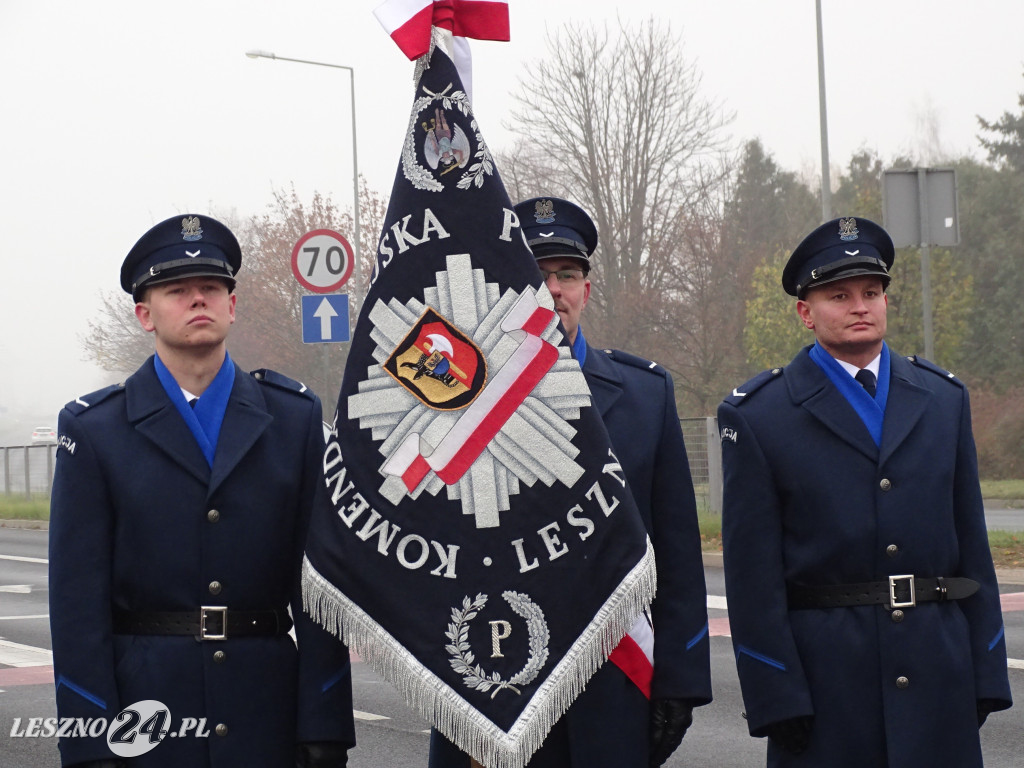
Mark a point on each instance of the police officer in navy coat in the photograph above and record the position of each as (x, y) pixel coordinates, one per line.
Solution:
(176, 537)
(614, 723)
(863, 602)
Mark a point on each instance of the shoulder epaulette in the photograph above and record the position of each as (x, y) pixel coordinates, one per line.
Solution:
(928, 365)
(634, 361)
(744, 391)
(279, 380)
(80, 404)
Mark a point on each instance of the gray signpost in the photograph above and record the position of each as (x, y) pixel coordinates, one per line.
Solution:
(919, 207)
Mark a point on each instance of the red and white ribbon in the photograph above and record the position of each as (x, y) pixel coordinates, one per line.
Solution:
(634, 655)
(409, 22)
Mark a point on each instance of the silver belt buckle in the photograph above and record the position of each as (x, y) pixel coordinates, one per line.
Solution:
(210, 610)
(893, 581)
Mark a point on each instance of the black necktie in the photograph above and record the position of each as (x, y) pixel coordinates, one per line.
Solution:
(192, 402)
(867, 379)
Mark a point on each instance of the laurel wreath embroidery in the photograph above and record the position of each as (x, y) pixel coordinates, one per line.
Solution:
(419, 176)
(462, 659)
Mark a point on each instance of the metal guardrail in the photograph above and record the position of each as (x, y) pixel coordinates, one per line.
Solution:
(28, 470)
(704, 452)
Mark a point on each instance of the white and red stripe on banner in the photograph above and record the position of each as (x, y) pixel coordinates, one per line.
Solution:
(482, 420)
(634, 655)
(408, 22)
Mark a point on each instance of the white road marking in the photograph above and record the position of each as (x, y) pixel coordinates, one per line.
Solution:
(20, 559)
(367, 715)
(19, 589)
(30, 616)
(18, 655)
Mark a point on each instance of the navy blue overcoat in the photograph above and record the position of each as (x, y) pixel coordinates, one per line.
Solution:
(607, 725)
(140, 522)
(810, 499)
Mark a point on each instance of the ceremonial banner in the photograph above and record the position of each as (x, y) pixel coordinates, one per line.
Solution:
(482, 551)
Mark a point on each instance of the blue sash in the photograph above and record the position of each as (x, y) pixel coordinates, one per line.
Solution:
(579, 347)
(871, 410)
(205, 419)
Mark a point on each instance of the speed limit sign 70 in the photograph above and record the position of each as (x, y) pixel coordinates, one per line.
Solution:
(322, 261)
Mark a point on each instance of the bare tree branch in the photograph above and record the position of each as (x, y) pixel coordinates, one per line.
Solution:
(616, 121)
(618, 124)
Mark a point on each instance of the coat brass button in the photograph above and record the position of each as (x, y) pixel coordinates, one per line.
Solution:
(897, 616)
(219, 656)
(215, 587)
(892, 550)
(213, 515)
(885, 484)
(221, 729)
(902, 682)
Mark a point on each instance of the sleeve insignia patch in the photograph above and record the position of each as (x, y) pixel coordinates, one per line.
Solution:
(740, 393)
(928, 365)
(279, 380)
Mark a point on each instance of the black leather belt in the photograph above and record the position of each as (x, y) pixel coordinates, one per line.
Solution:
(206, 623)
(897, 592)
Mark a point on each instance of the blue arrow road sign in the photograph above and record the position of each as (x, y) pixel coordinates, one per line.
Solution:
(325, 318)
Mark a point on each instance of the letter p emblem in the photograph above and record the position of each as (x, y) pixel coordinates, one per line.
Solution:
(500, 630)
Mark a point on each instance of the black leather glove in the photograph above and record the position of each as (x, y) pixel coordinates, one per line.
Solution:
(669, 720)
(321, 754)
(792, 735)
(985, 708)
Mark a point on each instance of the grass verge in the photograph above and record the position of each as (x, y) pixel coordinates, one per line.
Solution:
(1007, 547)
(15, 508)
(710, 532)
(1011, 490)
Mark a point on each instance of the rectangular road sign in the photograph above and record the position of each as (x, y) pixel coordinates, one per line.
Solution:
(909, 194)
(325, 318)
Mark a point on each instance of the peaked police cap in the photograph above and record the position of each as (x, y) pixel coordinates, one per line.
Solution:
(180, 247)
(556, 227)
(841, 248)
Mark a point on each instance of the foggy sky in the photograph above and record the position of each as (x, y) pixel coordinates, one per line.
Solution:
(120, 114)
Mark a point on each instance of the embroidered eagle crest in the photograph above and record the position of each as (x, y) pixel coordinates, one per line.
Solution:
(190, 229)
(544, 212)
(848, 229)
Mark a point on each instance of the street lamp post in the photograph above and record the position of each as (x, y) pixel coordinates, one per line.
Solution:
(357, 245)
(826, 182)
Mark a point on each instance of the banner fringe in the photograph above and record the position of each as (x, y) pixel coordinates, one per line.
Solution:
(450, 713)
